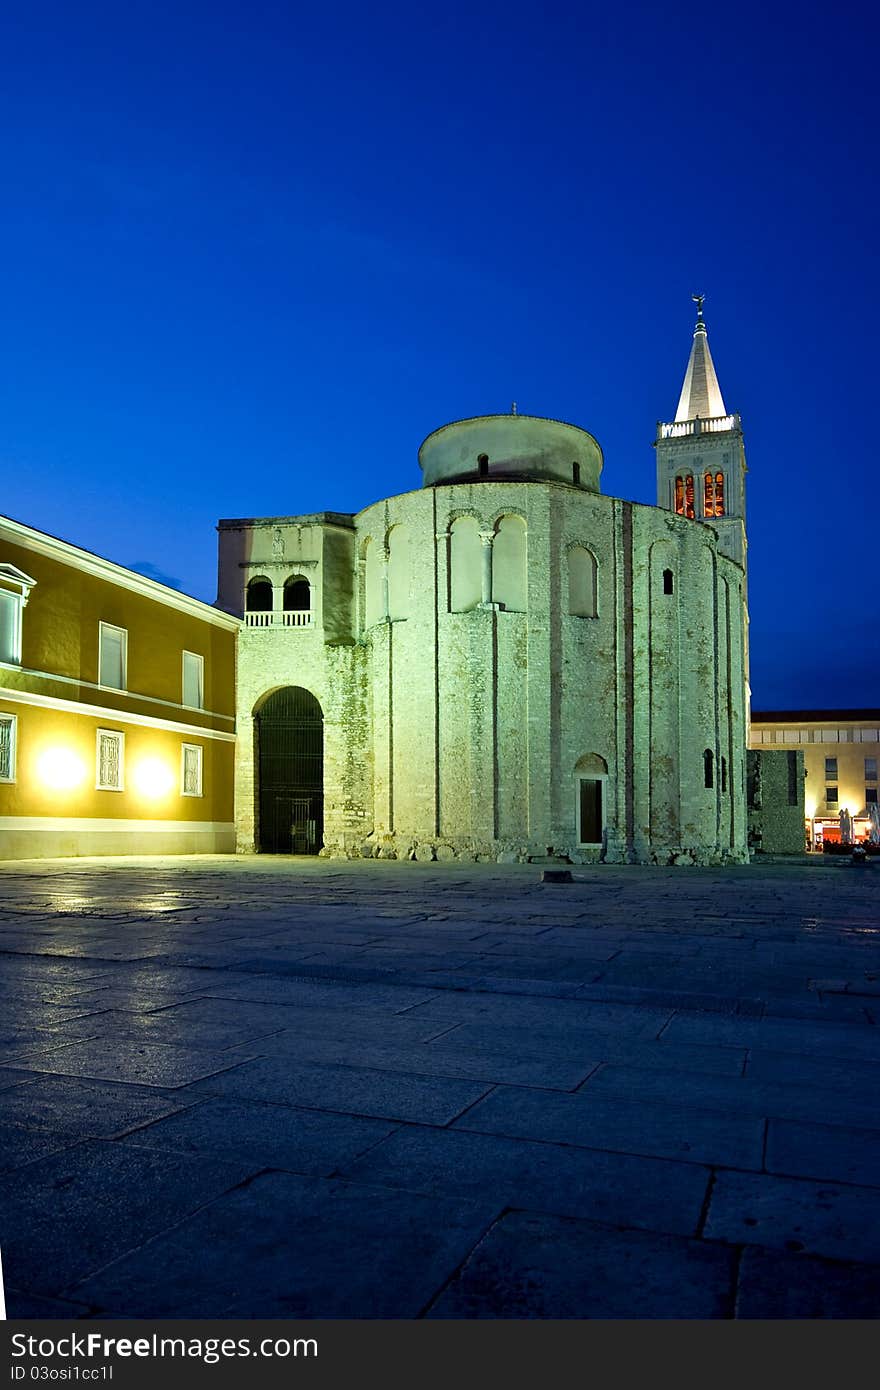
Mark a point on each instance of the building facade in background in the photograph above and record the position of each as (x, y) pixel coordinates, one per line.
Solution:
(841, 751)
(117, 708)
(505, 664)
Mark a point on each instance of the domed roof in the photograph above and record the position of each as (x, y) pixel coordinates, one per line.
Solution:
(494, 448)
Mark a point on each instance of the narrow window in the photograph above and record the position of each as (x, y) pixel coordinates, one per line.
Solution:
(483, 465)
(719, 494)
(667, 581)
(193, 680)
(708, 768)
(689, 496)
(112, 656)
(191, 756)
(8, 724)
(582, 582)
(109, 760)
(679, 496)
(723, 773)
(590, 811)
(831, 769)
(576, 474)
(10, 627)
(708, 495)
(831, 796)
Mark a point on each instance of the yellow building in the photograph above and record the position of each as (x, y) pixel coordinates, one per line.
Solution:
(117, 708)
(841, 751)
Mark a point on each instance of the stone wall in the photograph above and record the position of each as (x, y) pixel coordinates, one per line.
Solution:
(462, 733)
(776, 801)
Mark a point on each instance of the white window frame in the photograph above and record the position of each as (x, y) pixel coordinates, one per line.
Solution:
(201, 667)
(18, 586)
(591, 777)
(12, 721)
(112, 627)
(199, 750)
(120, 737)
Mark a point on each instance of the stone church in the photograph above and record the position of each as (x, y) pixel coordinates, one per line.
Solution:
(504, 664)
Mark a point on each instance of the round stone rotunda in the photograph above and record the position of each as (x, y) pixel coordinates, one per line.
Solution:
(503, 665)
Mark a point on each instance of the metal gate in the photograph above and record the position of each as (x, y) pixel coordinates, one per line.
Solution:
(290, 760)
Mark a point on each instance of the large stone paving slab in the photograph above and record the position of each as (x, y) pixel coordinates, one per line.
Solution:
(389, 1095)
(623, 1126)
(144, 1064)
(795, 1286)
(269, 1136)
(790, 1214)
(536, 1266)
(286, 1246)
(618, 1188)
(823, 1151)
(79, 1209)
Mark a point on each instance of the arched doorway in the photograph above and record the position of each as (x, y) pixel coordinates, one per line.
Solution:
(289, 730)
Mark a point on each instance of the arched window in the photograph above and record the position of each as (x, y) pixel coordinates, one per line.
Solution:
(509, 564)
(483, 465)
(297, 595)
(259, 595)
(667, 582)
(399, 573)
(713, 494)
(465, 565)
(582, 571)
(684, 495)
(708, 768)
(576, 474)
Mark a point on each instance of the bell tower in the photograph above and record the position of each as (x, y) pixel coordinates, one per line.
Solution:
(701, 462)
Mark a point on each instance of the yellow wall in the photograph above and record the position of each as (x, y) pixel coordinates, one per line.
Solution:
(54, 694)
(53, 742)
(60, 635)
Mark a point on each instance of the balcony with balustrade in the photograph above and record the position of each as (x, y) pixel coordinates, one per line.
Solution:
(292, 618)
(714, 424)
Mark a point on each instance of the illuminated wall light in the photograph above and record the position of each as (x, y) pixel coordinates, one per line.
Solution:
(153, 777)
(61, 769)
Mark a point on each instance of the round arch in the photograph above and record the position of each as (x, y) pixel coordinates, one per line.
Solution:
(289, 762)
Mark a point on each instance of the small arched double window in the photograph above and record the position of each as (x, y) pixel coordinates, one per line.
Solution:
(713, 494)
(259, 595)
(297, 595)
(684, 495)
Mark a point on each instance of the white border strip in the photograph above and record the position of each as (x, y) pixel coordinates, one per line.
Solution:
(115, 716)
(201, 827)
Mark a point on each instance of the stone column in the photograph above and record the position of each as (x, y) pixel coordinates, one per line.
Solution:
(486, 539)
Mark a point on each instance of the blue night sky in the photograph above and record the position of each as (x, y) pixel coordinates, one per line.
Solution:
(254, 253)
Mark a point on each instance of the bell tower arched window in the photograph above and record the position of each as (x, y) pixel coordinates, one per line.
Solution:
(713, 494)
(684, 495)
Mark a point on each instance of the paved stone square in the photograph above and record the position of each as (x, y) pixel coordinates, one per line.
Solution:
(304, 1088)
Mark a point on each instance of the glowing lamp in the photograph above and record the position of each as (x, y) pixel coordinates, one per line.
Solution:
(153, 777)
(61, 769)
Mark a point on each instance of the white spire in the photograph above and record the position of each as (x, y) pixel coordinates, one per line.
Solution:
(700, 394)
